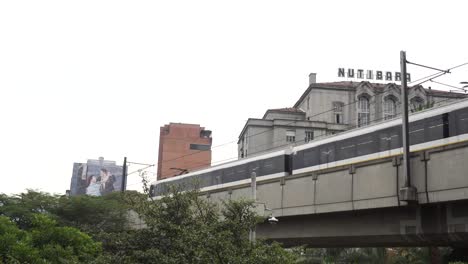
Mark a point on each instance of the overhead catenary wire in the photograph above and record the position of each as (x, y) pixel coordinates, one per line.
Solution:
(438, 74)
(448, 85)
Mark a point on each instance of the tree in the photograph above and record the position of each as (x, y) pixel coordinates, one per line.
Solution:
(21, 208)
(15, 244)
(181, 228)
(62, 244)
(93, 214)
(45, 242)
(90, 214)
(184, 228)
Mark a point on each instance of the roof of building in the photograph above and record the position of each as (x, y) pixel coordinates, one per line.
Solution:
(288, 110)
(350, 85)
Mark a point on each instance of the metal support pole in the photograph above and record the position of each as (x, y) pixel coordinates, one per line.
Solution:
(407, 192)
(253, 185)
(124, 175)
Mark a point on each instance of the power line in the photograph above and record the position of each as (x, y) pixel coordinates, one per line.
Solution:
(424, 66)
(438, 74)
(448, 85)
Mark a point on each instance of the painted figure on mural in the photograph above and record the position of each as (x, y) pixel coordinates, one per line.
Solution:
(94, 186)
(107, 181)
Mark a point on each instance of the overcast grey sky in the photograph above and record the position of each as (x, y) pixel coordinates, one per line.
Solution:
(83, 79)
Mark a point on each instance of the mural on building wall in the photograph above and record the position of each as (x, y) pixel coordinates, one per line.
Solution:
(95, 179)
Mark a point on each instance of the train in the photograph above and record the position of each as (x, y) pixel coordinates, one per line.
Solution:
(434, 127)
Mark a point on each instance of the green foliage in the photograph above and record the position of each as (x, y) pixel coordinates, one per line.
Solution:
(183, 228)
(21, 208)
(421, 107)
(44, 242)
(88, 213)
(62, 244)
(93, 214)
(15, 244)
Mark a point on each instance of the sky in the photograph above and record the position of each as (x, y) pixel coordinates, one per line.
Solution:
(84, 79)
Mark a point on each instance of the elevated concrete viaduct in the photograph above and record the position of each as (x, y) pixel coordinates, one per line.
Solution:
(357, 205)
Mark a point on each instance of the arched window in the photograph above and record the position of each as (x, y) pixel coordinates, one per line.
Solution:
(417, 104)
(338, 112)
(363, 111)
(389, 108)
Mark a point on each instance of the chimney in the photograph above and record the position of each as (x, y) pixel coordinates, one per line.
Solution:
(312, 78)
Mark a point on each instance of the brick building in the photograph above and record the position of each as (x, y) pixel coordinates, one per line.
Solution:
(183, 148)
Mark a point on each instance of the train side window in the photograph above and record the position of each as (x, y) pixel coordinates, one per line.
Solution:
(229, 175)
(272, 166)
(278, 164)
(241, 172)
(214, 177)
(327, 153)
(434, 128)
(389, 138)
(385, 137)
(462, 121)
(416, 132)
(346, 149)
(366, 144)
(205, 180)
(254, 166)
(311, 157)
(298, 160)
(267, 166)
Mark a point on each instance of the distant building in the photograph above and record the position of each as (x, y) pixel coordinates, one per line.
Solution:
(329, 108)
(96, 177)
(183, 148)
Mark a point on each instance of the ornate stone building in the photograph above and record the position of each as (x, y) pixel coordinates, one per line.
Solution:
(329, 108)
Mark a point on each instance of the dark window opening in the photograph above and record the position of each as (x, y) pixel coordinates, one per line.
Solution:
(309, 136)
(200, 147)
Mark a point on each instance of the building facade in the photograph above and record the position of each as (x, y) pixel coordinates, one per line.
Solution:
(96, 177)
(329, 108)
(182, 148)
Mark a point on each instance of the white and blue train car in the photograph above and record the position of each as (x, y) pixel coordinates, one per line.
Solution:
(436, 127)
(428, 129)
(267, 166)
